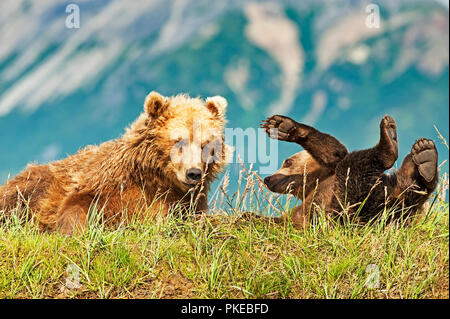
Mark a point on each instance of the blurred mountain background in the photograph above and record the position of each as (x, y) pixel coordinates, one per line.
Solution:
(316, 61)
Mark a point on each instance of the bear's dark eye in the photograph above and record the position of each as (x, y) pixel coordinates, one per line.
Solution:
(287, 162)
(211, 152)
(180, 142)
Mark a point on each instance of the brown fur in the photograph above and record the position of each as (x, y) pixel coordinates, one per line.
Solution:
(325, 176)
(132, 174)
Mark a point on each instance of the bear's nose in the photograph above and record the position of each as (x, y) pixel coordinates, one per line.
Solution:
(194, 174)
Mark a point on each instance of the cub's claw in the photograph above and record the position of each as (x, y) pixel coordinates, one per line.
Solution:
(280, 127)
(424, 155)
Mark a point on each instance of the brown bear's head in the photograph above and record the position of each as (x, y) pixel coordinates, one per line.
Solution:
(186, 136)
(297, 176)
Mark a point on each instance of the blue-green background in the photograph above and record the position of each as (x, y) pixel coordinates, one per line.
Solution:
(62, 89)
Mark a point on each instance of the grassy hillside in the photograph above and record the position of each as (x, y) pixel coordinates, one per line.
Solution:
(230, 257)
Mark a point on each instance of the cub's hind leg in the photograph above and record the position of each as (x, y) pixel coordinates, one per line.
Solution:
(425, 156)
(418, 175)
(360, 175)
(387, 147)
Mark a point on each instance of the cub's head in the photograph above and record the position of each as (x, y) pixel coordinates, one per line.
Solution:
(297, 175)
(186, 136)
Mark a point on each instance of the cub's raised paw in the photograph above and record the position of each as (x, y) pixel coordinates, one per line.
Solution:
(280, 127)
(425, 156)
(388, 130)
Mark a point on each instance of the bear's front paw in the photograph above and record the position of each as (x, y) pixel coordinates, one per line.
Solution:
(425, 156)
(280, 127)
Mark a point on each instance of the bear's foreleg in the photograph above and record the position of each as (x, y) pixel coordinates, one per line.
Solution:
(326, 149)
(72, 215)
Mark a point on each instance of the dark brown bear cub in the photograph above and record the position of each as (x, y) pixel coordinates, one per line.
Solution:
(325, 176)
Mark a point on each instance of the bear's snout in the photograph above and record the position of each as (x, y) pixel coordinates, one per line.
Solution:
(193, 175)
(270, 182)
(276, 182)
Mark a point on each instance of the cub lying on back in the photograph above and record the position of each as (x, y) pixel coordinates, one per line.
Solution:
(326, 176)
(168, 156)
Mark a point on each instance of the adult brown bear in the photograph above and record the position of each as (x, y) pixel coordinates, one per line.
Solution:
(166, 159)
(326, 176)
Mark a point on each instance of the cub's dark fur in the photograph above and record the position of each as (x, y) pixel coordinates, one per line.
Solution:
(326, 176)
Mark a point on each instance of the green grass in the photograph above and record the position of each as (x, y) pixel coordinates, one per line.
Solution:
(230, 257)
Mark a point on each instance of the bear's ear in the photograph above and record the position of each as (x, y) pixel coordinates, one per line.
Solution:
(155, 104)
(217, 105)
